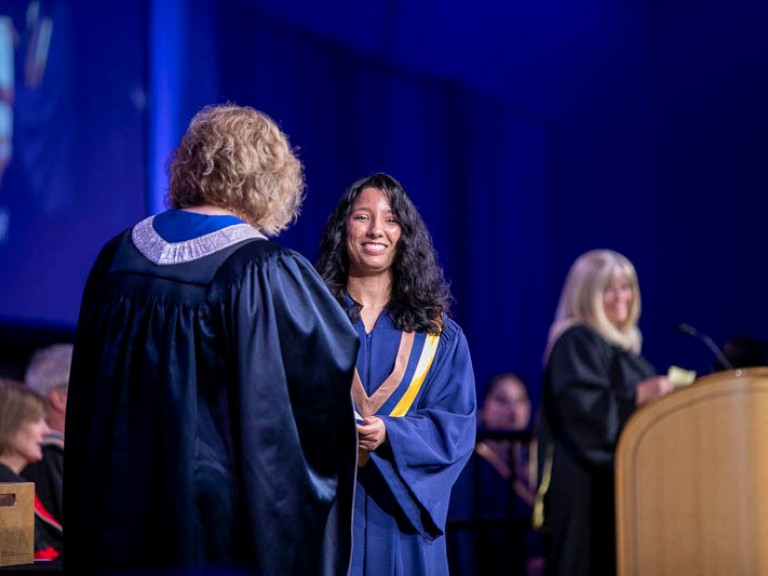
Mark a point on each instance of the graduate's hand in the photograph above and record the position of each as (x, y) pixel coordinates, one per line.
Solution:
(371, 434)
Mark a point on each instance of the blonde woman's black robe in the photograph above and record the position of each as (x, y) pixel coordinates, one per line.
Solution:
(588, 395)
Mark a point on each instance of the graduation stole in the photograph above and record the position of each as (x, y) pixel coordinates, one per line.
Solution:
(368, 406)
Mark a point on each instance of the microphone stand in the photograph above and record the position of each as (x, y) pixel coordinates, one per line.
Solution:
(690, 330)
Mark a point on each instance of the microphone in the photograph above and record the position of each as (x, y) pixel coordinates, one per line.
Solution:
(688, 329)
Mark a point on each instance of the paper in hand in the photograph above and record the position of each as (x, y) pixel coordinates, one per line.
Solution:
(680, 377)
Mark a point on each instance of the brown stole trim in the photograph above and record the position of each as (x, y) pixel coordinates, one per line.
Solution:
(369, 406)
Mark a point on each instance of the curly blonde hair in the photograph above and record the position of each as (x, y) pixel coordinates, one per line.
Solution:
(237, 158)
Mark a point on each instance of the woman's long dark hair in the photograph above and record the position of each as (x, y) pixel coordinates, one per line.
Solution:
(420, 295)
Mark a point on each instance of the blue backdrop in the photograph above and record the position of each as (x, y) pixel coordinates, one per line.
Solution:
(527, 133)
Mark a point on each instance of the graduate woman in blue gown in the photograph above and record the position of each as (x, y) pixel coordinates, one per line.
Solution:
(413, 387)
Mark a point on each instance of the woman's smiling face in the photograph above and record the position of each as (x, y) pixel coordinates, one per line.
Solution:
(617, 300)
(373, 232)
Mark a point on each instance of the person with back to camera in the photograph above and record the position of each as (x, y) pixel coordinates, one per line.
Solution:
(209, 423)
(492, 501)
(48, 375)
(22, 432)
(413, 387)
(594, 379)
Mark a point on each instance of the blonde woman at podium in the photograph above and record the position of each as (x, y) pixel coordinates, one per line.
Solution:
(594, 379)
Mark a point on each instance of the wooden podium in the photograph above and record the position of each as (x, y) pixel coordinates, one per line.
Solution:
(692, 481)
(17, 523)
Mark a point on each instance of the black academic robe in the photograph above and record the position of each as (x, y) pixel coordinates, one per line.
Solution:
(209, 420)
(48, 475)
(588, 395)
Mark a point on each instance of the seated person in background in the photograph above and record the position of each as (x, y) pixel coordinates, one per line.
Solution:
(492, 501)
(745, 352)
(22, 431)
(48, 375)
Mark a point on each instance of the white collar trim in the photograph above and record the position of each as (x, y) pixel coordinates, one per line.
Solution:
(158, 251)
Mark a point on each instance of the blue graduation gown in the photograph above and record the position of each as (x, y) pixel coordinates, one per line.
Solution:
(402, 493)
(209, 422)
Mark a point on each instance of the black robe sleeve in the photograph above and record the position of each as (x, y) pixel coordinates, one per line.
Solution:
(295, 350)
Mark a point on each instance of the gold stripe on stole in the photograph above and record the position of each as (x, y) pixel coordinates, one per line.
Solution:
(546, 477)
(425, 362)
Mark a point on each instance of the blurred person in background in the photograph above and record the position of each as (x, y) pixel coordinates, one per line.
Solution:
(491, 531)
(22, 432)
(48, 375)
